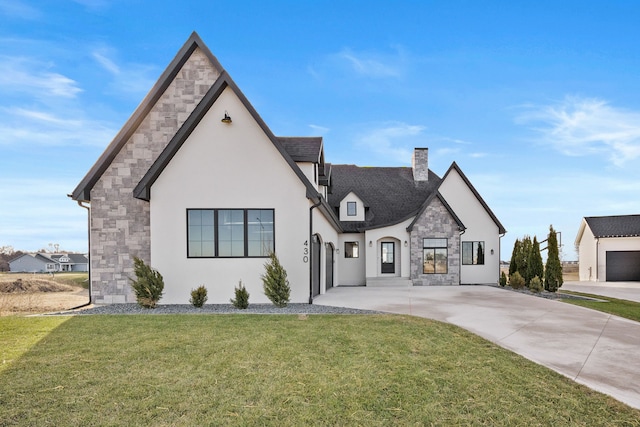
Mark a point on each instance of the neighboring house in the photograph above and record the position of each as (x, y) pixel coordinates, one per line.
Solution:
(197, 185)
(609, 248)
(48, 263)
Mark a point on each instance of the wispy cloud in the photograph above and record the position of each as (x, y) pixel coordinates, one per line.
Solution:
(374, 65)
(128, 78)
(19, 9)
(319, 129)
(393, 141)
(31, 76)
(578, 126)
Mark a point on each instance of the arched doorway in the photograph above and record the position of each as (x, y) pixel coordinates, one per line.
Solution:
(315, 265)
(329, 265)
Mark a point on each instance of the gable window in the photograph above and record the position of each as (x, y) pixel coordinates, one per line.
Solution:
(352, 209)
(351, 250)
(230, 233)
(435, 256)
(472, 253)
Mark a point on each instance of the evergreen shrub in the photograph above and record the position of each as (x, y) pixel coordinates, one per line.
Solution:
(535, 285)
(503, 279)
(516, 281)
(148, 285)
(275, 283)
(241, 300)
(198, 296)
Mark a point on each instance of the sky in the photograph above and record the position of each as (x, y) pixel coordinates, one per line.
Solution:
(537, 101)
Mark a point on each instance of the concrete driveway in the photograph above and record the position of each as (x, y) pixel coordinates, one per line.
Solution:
(593, 348)
(621, 290)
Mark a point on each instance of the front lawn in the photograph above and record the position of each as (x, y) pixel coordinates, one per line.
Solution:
(619, 307)
(278, 370)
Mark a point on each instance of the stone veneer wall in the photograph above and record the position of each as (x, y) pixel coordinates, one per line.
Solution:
(435, 222)
(120, 225)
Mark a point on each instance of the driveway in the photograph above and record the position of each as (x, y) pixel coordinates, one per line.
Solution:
(621, 290)
(593, 348)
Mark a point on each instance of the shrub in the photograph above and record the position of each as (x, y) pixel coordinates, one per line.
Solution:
(535, 285)
(148, 285)
(516, 281)
(503, 280)
(198, 296)
(553, 269)
(275, 283)
(241, 300)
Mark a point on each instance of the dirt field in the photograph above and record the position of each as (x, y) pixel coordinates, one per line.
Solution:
(569, 272)
(41, 293)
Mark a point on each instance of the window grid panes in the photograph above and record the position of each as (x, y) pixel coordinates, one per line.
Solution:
(351, 209)
(351, 250)
(230, 232)
(473, 253)
(435, 256)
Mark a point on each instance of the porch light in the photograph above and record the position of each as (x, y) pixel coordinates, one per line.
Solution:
(370, 243)
(406, 243)
(226, 118)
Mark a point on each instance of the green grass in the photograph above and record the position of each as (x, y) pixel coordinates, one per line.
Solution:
(619, 307)
(185, 370)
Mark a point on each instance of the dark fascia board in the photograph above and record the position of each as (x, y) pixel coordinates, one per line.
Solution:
(446, 205)
(454, 165)
(83, 190)
(143, 189)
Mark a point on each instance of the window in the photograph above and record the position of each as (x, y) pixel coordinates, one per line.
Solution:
(351, 250)
(434, 256)
(351, 209)
(230, 233)
(472, 253)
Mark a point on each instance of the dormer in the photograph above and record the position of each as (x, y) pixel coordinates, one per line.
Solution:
(352, 208)
(308, 153)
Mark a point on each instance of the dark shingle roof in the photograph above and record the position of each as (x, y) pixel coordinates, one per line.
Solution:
(390, 193)
(302, 149)
(614, 226)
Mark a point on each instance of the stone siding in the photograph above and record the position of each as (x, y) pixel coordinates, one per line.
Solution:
(120, 225)
(435, 222)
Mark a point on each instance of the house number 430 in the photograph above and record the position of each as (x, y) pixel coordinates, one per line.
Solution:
(305, 251)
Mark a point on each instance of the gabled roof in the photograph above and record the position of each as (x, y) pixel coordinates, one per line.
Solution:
(390, 192)
(614, 226)
(425, 205)
(454, 166)
(83, 190)
(303, 149)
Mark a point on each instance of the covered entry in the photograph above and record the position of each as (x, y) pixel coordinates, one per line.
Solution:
(623, 266)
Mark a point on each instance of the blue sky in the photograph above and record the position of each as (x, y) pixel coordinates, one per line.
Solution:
(536, 101)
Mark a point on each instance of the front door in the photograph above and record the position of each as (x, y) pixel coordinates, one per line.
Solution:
(388, 258)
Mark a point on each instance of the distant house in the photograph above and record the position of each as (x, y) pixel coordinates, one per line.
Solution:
(609, 248)
(48, 263)
(198, 186)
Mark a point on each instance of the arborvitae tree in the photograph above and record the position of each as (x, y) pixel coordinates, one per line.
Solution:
(480, 255)
(513, 265)
(275, 283)
(534, 265)
(523, 258)
(553, 270)
(148, 285)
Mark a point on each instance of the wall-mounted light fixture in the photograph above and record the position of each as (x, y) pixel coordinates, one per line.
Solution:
(370, 243)
(491, 251)
(337, 250)
(226, 118)
(406, 243)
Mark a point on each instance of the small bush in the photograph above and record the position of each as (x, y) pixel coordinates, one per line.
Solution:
(516, 281)
(275, 283)
(535, 285)
(241, 300)
(148, 285)
(198, 296)
(503, 280)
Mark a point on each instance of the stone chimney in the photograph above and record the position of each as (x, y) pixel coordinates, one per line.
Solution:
(420, 164)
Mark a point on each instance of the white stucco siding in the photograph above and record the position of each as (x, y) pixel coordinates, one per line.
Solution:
(607, 244)
(480, 227)
(352, 270)
(353, 198)
(227, 166)
(397, 234)
(587, 255)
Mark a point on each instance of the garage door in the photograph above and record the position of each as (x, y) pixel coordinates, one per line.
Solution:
(623, 266)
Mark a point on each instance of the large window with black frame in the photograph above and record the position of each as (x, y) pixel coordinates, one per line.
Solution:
(435, 256)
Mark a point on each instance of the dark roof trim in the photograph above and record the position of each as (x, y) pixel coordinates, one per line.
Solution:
(436, 194)
(83, 190)
(454, 165)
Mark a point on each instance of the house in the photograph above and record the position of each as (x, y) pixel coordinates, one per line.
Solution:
(609, 248)
(48, 263)
(197, 185)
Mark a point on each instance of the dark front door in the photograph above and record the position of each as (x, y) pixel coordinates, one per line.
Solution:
(388, 257)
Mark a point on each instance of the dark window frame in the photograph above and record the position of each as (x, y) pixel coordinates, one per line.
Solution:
(475, 259)
(349, 254)
(433, 247)
(355, 208)
(216, 231)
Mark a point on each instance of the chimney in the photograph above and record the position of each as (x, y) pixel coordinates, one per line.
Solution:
(420, 164)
